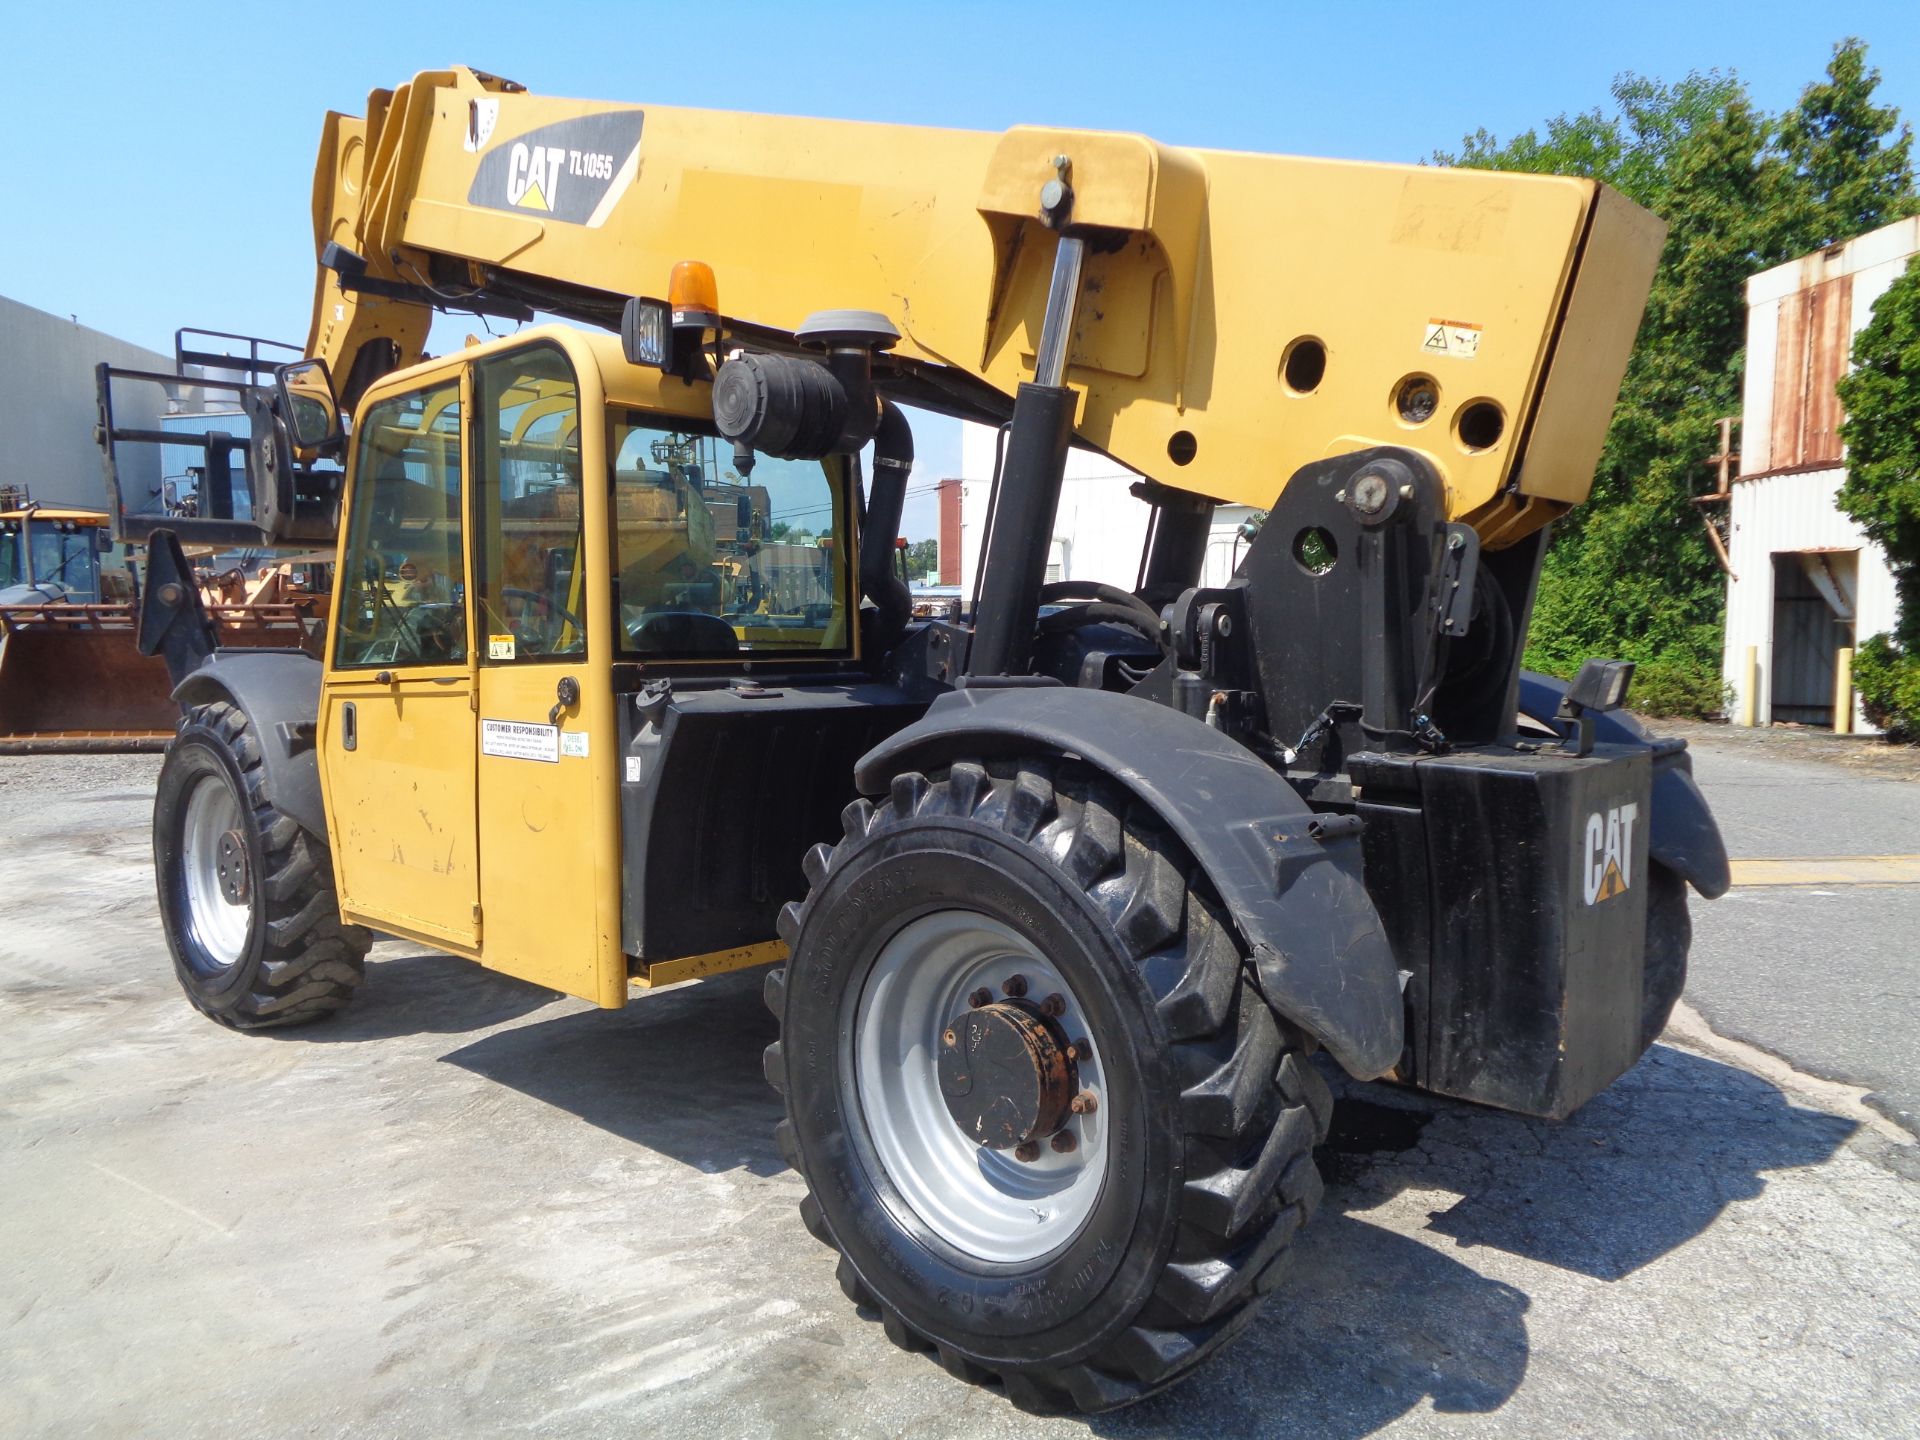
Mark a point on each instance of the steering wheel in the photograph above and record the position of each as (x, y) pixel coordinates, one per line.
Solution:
(546, 603)
(430, 628)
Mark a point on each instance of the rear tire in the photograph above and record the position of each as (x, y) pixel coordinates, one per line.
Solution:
(246, 894)
(1669, 937)
(1207, 1109)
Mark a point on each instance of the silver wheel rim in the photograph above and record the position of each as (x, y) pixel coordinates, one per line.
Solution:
(983, 1202)
(218, 923)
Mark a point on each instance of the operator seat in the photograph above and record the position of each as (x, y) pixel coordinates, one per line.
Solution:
(684, 635)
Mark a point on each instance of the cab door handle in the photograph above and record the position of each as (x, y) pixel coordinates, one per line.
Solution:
(349, 727)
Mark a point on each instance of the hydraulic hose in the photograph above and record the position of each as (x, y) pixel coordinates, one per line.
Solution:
(1059, 592)
(892, 464)
(1100, 612)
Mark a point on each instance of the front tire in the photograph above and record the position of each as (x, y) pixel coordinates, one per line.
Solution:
(246, 894)
(1084, 1273)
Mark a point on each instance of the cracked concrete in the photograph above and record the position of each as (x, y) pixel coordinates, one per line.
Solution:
(468, 1206)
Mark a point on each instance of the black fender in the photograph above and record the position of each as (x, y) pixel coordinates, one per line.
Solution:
(279, 693)
(1292, 885)
(1681, 834)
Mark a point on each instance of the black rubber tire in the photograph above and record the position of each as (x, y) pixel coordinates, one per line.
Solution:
(1669, 937)
(1211, 1171)
(300, 962)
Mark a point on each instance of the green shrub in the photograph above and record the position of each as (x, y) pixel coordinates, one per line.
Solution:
(1669, 686)
(1682, 689)
(1889, 684)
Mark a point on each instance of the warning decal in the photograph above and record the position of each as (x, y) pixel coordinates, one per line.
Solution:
(518, 740)
(1458, 338)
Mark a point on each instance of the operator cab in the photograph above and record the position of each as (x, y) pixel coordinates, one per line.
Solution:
(52, 555)
(534, 532)
(774, 583)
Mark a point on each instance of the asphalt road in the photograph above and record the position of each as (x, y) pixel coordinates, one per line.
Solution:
(469, 1206)
(1825, 976)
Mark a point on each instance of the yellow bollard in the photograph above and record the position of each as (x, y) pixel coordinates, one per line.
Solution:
(1750, 688)
(1843, 690)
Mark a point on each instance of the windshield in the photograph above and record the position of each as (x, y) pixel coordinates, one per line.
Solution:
(708, 564)
(63, 557)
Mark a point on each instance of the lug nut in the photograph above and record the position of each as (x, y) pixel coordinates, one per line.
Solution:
(1085, 1103)
(1026, 1152)
(1081, 1049)
(980, 997)
(1015, 986)
(1054, 1006)
(949, 1039)
(1065, 1143)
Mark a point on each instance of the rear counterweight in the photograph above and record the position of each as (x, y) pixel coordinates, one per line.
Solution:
(1514, 885)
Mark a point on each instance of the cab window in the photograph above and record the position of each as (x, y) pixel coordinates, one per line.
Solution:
(710, 564)
(530, 577)
(402, 588)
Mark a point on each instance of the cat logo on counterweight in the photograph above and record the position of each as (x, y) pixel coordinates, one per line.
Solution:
(1607, 867)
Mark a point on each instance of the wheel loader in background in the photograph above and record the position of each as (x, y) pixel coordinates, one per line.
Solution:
(71, 678)
(1060, 898)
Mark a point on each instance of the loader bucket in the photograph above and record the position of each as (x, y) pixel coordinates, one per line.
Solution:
(72, 678)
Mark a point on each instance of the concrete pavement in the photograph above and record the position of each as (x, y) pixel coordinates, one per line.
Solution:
(470, 1206)
(1825, 974)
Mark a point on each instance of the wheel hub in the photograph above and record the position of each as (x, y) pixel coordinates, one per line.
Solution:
(1006, 1075)
(230, 866)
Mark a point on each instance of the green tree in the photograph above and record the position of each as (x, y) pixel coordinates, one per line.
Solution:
(923, 559)
(1630, 573)
(1853, 158)
(1882, 490)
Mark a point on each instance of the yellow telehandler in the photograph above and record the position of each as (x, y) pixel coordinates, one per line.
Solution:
(1060, 897)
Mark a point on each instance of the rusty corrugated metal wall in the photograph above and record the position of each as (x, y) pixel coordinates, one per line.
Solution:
(1810, 356)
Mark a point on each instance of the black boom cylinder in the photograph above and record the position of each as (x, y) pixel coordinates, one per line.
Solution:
(1022, 529)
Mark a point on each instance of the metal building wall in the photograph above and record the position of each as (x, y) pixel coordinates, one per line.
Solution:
(47, 407)
(1780, 506)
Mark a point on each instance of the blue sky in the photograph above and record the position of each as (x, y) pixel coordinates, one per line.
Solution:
(160, 156)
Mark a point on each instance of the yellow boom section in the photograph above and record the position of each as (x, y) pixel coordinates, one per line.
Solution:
(1241, 315)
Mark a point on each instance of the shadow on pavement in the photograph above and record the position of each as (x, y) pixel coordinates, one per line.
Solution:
(424, 994)
(1372, 1323)
(1642, 1168)
(1368, 1325)
(678, 1072)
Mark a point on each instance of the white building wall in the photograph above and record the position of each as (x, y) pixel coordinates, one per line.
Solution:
(1790, 513)
(1099, 530)
(1786, 513)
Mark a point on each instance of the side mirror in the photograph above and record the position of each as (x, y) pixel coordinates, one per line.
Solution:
(308, 404)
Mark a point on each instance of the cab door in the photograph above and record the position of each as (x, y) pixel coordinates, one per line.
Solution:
(549, 850)
(397, 721)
